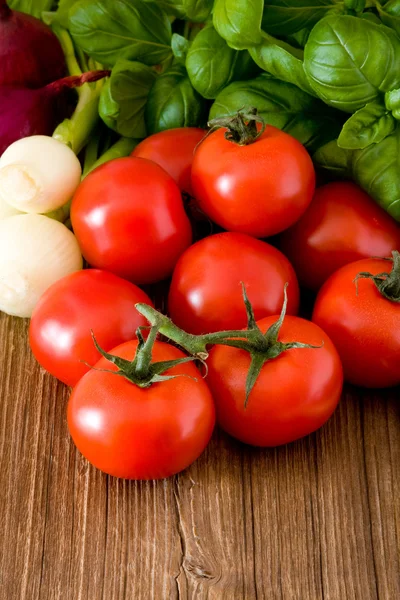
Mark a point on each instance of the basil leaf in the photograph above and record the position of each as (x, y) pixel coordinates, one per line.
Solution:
(212, 64)
(333, 159)
(124, 96)
(173, 102)
(171, 7)
(356, 5)
(31, 7)
(298, 39)
(375, 168)
(369, 125)
(283, 105)
(108, 30)
(281, 60)
(238, 22)
(351, 62)
(390, 14)
(197, 11)
(180, 47)
(370, 16)
(284, 17)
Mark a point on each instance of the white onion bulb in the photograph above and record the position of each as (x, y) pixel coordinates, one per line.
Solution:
(35, 252)
(6, 210)
(38, 174)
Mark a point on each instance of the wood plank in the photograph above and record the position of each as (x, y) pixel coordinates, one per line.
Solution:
(317, 519)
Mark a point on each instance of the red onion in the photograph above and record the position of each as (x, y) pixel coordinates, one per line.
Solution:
(25, 112)
(30, 53)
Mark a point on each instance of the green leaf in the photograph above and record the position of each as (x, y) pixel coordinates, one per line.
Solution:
(212, 64)
(239, 22)
(180, 47)
(370, 16)
(31, 7)
(298, 39)
(356, 5)
(333, 159)
(173, 102)
(171, 7)
(351, 62)
(282, 61)
(61, 15)
(369, 125)
(392, 102)
(109, 30)
(285, 17)
(375, 168)
(197, 11)
(390, 14)
(284, 106)
(123, 98)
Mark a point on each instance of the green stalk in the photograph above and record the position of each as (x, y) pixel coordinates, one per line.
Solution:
(261, 347)
(76, 131)
(123, 147)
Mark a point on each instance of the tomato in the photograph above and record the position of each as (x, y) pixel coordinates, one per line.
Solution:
(141, 433)
(94, 300)
(173, 150)
(206, 292)
(364, 326)
(341, 225)
(128, 217)
(294, 394)
(259, 189)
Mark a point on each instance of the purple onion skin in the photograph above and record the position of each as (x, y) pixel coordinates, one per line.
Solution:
(25, 112)
(30, 53)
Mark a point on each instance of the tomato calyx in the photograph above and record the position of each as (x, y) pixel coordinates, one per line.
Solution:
(262, 347)
(241, 126)
(388, 284)
(141, 371)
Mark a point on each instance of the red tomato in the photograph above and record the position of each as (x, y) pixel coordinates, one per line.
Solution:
(141, 433)
(128, 217)
(173, 150)
(341, 225)
(206, 292)
(364, 326)
(260, 189)
(94, 300)
(295, 393)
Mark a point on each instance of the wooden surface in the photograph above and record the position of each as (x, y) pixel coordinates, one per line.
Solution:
(319, 519)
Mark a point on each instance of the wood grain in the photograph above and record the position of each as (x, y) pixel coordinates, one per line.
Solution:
(318, 519)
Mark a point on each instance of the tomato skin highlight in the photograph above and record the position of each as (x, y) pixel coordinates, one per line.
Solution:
(259, 189)
(128, 217)
(173, 150)
(341, 225)
(294, 395)
(91, 299)
(364, 327)
(206, 293)
(141, 433)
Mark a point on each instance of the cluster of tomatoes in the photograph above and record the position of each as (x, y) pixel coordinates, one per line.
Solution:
(141, 419)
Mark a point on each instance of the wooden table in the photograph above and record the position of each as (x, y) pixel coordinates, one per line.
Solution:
(318, 519)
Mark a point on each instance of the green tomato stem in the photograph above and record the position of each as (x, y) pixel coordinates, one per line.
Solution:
(195, 345)
(388, 284)
(262, 347)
